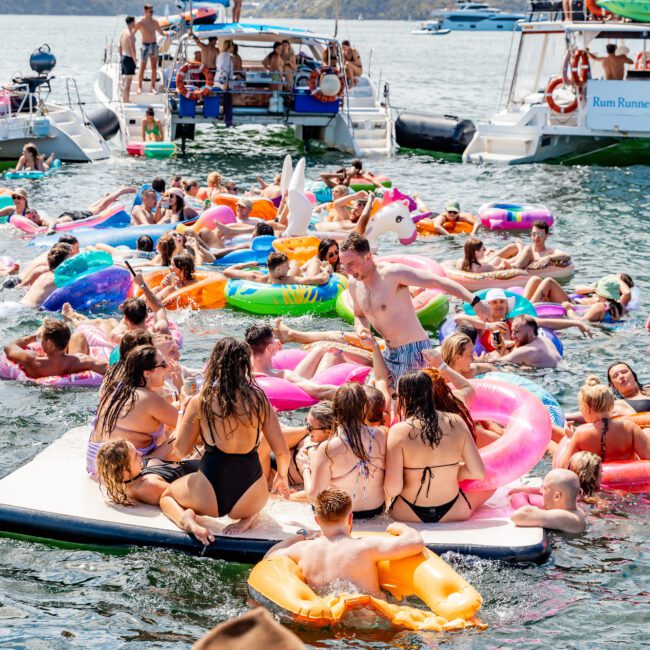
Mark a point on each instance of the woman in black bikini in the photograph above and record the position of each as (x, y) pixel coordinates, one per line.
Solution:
(228, 416)
(428, 454)
(632, 396)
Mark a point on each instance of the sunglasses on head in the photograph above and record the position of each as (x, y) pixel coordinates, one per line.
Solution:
(163, 364)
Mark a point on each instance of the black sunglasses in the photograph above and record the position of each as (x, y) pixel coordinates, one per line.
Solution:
(161, 365)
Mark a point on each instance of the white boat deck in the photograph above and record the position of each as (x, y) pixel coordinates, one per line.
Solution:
(52, 497)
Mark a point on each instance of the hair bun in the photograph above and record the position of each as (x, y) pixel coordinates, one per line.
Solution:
(592, 380)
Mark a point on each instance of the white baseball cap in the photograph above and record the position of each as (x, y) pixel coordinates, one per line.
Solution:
(500, 294)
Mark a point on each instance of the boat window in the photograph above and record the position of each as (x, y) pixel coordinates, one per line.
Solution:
(540, 59)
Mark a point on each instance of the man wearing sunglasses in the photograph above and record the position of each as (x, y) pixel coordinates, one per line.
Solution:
(148, 26)
(537, 255)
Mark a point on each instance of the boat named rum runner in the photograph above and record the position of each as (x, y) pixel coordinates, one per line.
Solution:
(560, 106)
(316, 99)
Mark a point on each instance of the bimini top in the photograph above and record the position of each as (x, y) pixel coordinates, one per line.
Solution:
(252, 32)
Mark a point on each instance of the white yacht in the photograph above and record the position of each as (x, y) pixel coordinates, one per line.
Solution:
(476, 16)
(317, 102)
(431, 28)
(561, 108)
(28, 115)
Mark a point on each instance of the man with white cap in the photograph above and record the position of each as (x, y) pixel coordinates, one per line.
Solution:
(614, 63)
(452, 214)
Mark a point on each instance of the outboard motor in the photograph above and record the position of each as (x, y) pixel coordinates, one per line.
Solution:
(442, 133)
(42, 61)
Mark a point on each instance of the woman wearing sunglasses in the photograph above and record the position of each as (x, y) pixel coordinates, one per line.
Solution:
(132, 408)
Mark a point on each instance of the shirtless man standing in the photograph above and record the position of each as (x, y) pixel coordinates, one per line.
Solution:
(55, 336)
(334, 556)
(613, 64)
(44, 285)
(537, 256)
(381, 299)
(149, 27)
(209, 52)
(127, 55)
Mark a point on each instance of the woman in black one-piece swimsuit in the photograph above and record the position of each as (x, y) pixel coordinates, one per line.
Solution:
(228, 417)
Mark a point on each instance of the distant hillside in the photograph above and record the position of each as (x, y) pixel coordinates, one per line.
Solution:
(369, 9)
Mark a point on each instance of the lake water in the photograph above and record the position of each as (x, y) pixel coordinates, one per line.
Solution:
(592, 593)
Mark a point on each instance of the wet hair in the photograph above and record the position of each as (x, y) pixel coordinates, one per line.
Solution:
(526, 319)
(185, 264)
(356, 163)
(32, 150)
(589, 468)
(611, 48)
(58, 254)
(376, 405)
(150, 111)
(415, 399)
(158, 184)
(324, 413)
(118, 394)
(259, 337)
(446, 402)
(145, 243)
(68, 239)
(453, 346)
(57, 332)
(274, 260)
(214, 179)
(629, 367)
(471, 248)
(542, 225)
(626, 279)
(596, 396)
(112, 463)
(229, 389)
(166, 247)
(129, 19)
(135, 310)
(469, 330)
(262, 228)
(350, 405)
(332, 505)
(356, 243)
(323, 247)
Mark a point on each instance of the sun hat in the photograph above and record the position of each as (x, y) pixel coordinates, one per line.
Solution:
(19, 191)
(177, 191)
(453, 206)
(608, 287)
(499, 294)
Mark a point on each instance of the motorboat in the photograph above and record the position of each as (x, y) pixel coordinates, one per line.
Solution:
(431, 28)
(316, 100)
(28, 115)
(560, 105)
(476, 16)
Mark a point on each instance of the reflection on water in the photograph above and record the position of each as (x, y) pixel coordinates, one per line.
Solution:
(584, 597)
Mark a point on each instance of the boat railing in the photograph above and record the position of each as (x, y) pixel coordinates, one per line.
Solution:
(74, 99)
(552, 10)
(26, 108)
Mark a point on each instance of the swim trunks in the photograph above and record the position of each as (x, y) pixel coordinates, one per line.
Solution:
(405, 358)
(128, 65)
(76, 215)
(149, 49)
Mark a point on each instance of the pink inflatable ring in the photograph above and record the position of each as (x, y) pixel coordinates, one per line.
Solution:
(525, 439)
(513, 216)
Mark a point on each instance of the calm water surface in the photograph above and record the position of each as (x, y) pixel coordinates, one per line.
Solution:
(593, 593)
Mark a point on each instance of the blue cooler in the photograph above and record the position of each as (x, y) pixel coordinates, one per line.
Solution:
(186, 107)
(304, 102)
(211, 105)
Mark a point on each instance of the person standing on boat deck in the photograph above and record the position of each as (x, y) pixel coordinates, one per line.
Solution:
(353, 66)
(236, 10)
(149, 27)
(381, 299)
(209, 52)
(614, 63)
(127, 56)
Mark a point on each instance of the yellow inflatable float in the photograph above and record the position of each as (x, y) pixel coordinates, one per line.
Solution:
(426, 227)
(278, 584)
(301, 249)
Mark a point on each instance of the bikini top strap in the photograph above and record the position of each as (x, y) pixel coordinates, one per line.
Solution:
(427, 473)
(603, 438)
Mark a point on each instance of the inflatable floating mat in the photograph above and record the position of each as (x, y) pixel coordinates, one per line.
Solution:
(52, 497)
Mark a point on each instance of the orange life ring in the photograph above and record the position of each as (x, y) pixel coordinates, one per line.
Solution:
(638, 63)
(548, 95)
(596, 10)
(580, 68)
(199, 93)
(314, 83)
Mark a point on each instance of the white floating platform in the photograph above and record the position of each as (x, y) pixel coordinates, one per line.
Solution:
(52, 497)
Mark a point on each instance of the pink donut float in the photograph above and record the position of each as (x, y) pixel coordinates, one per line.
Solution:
(418, 262)
(216, 214)
(525, 439)
(513, 216)
(285, 396)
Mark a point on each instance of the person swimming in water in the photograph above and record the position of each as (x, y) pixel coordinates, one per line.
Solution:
(632, 396)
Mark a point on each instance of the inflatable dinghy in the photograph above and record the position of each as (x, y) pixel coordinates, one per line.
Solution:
(52, 497)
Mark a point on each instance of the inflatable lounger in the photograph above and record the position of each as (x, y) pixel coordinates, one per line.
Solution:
(52, 497)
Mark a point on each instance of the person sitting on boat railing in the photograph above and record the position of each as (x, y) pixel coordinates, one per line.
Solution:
(330, 55)
(614, 63)
(21, 208)
(353, 65)
(209, 51)
(31, 160)
(127, 56)
(152, 129)
(149, 27)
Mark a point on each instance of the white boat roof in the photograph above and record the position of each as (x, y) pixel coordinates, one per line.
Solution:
(591, 26)
(264, 33)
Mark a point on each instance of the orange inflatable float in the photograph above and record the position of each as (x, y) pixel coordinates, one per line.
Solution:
(278, 584)
(207, 292)
(300, 249)
(263, 208)
(426, 227)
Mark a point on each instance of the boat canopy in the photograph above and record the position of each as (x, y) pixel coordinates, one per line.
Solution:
(251, 32)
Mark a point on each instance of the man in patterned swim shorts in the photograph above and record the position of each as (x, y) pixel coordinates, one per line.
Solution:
(149, 27)
(381, 299)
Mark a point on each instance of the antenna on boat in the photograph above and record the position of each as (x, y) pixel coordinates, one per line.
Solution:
(336, 17)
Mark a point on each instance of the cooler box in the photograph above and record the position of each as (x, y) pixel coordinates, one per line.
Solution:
(186, 107)
(211, 105)
(304, 102)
